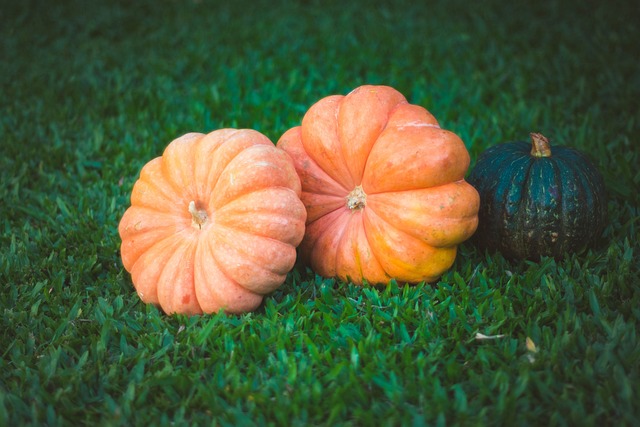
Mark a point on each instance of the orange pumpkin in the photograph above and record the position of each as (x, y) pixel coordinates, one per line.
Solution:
(383, 186)
(214, 223)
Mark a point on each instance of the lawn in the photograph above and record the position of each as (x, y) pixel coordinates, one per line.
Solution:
(90, 91)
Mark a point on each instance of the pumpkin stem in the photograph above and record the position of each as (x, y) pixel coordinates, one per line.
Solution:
(199, 216)
(357, 199)
(540, 146)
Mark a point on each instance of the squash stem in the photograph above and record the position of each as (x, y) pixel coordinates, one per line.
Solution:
(357, 199)
(199, 216)
(540, 146)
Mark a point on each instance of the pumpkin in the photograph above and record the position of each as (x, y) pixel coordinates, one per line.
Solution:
(213, 224)
(537, 200)
(383, 186)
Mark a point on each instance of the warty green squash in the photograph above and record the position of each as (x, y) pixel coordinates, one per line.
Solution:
(537, 200)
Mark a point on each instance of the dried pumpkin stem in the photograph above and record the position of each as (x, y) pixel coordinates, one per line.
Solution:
(199, 216)
(540, 146)
(357, 199)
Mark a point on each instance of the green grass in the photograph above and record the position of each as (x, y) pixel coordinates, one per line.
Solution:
(91, 92)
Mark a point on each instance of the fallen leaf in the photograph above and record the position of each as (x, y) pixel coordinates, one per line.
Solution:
(480, 336)
(532, 350)
(531, 346)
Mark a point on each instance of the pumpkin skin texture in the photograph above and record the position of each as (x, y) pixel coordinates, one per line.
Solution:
(213, 224)
(383, 187)
(537, 201)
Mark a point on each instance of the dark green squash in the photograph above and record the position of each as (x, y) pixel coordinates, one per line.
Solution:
(535, 201)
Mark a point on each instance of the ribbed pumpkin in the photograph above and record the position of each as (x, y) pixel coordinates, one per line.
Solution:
(536, 200)
(214, 223)
(383, 187)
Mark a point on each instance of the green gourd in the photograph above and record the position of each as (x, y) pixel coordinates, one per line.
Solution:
(537, 201)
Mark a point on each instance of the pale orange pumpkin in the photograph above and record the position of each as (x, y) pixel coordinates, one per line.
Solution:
(383, 186)
(214, 223)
